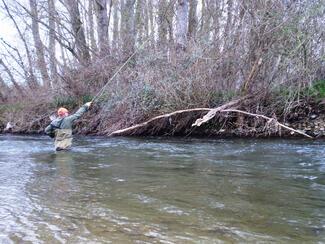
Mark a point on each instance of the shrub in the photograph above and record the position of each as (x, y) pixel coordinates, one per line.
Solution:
(318, 89)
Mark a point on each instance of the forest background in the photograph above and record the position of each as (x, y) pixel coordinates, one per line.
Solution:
(189, 54)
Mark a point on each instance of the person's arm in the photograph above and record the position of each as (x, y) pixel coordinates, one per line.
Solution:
(49, 130)
(79, 112)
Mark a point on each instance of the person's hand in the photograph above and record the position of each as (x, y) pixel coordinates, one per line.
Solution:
(88, 104)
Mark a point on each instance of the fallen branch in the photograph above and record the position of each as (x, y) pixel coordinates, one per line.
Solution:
(267, 118)
(211, 113)
(137, 126)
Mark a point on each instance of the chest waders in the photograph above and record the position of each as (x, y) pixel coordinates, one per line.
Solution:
(63, 137)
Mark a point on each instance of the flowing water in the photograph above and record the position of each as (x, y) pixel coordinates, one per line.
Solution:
(117, 190)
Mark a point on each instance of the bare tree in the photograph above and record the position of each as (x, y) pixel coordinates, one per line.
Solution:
(181, 24)
(4, 89)
(150, 9)
(11, 76)
(216, 25)
(52, 42)
(192, 19)
(146, 21)
(139, 20)
(127, 26)
(228, 22)
(81, 46)
(102, 26)
(115, 25)
(91, 26)
(15, 54)
(41, 63)
(31, 79)
(162, 21)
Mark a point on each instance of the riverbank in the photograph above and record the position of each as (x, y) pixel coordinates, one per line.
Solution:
(308, 118)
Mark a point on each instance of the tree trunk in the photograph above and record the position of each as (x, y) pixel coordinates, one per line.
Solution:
(93, 44)
(162, 22)
(62, 48)
(41, 63)
(146, 20)
(170, 16)
(205, 18)
(152, 23)
(81, 46)
(3, 90)
(216, 25)
(115, 25)
(127, 27)
(12, 78)
(239, 29)
(181, 24)
(203, 15)
(139, 21)
(52, 36)
(228, 23)
(192, 19)
(102, 26)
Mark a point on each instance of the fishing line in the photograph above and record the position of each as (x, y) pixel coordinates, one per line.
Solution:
(101, 91)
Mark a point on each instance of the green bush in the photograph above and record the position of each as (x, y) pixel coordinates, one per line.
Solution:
(319, 88)
(316, 90)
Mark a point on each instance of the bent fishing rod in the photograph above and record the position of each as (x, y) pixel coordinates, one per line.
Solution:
(101, 91)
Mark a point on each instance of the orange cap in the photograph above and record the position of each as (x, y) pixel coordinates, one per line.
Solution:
(62, 111)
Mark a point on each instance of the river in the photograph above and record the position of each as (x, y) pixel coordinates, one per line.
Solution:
(158, 190)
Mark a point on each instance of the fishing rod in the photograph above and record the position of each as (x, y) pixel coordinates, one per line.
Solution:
(101, 91)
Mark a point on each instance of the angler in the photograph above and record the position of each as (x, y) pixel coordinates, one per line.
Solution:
(61, 127)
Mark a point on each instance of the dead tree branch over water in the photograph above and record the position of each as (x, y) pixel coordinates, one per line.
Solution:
(212, 112)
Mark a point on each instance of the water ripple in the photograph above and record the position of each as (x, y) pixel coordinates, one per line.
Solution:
(159, 190)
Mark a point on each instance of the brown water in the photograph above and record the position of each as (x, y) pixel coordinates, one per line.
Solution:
(162, 191)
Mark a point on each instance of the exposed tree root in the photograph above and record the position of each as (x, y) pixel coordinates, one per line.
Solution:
(159, 122)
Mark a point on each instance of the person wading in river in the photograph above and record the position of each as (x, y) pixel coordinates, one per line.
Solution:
(61, 127)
